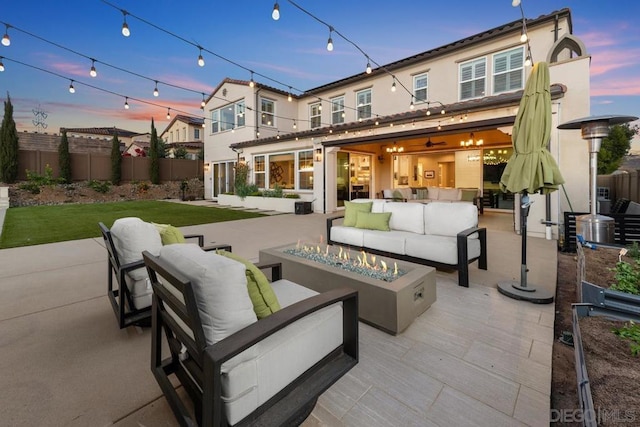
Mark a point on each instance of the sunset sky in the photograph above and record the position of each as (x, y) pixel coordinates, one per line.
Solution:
(52, 41)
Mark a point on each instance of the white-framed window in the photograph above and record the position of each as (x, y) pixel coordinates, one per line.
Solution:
(227, 117)
(473, 79)
(420, 86)
(259, 174)
(363, 103)
(268, 111)
(170, 136)
(305, 170)
(292, 170)
(337, 110)
(196, 134)
(508, 70)
(315, 115)
(184, 134)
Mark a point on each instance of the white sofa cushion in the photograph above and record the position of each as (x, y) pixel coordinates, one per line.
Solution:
(406, 216)
(387, 241)
(347, 235)
(450, 194)
(220, 288)
(448, 219)
(283, 356)
(140, 290)
(439, 248)
(433, 192)
(131, 236)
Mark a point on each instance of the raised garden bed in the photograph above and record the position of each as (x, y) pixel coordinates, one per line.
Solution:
(607, 373)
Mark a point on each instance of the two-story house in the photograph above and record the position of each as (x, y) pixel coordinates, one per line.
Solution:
(186, 132)
(439, 118)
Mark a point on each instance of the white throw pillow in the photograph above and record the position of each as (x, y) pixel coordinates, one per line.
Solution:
(220, 288)
(131, 236)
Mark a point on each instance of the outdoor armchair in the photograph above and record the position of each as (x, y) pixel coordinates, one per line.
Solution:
(238, 370)
(130, 295)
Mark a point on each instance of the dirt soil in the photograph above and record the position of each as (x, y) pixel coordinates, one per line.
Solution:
(82, 192)
(614, 373)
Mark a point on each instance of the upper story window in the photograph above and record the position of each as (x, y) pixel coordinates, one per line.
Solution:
(363, 102)
(420, 85)
(184, 134)
(268, 110)
(337, 110)
(315, 115)
(508, 70)
(170, 136)
(196, 134)
(473, 79)
(227, 118)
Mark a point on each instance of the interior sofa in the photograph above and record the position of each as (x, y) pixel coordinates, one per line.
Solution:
(442, 235)
(430, 194)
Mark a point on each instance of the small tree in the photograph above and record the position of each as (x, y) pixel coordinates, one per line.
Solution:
(8, 145)
(116, 161)
(614, 147)
(180, 153)
(154, 167)
(64, 159)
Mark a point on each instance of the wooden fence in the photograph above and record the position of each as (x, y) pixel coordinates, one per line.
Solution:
(92, 166)
(624, 185)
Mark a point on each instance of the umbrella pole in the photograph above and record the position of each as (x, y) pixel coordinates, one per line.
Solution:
(521, 290)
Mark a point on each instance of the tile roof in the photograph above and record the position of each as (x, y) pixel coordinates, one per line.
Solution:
(110, 131)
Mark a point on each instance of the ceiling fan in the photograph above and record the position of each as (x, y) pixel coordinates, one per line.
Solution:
(430, 143)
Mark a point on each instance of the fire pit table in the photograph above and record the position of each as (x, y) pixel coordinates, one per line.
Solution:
(390, 305)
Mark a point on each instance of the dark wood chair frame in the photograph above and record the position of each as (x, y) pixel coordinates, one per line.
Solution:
(200, 370)
(462, 266)
(120, 297)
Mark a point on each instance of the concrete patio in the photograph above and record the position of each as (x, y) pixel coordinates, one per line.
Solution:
(475, 357)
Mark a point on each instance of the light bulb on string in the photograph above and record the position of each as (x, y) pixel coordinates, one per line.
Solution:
(203, 102)
(125, 26)
(168, 113)
(200, 58)
(330, 41)
(393, 86)
(1, 65)
(527, 62)
(523, 37)
(515, 3)
(289, 97)
(295, 126)
(155, 90)
(92, 71)
(126, 103)
(276, 12)
(251, 82)
(368, 67)
(6, 41)
(71, 88)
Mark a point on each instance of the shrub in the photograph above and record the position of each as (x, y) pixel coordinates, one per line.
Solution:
(247, 190)
(31, 187)
(275, 192)
(143, 187)
(99, 186)
(627, 277)
(634, 251)
(291, 196)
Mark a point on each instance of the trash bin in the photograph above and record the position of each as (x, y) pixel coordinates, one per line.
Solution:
(302, 208)
(596, 228)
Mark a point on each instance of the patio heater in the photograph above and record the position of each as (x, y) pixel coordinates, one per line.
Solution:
(594, 227)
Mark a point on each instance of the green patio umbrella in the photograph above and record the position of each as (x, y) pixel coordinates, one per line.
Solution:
(531, 168)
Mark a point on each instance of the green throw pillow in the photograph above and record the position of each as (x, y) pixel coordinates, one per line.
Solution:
(468, 195)
(169, 234)
(351, 209)
(373, 221)
(422, 193)
(397, 195)
(265, 301)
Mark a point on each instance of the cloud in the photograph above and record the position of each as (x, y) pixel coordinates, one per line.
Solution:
(614, 86)
(605, 61)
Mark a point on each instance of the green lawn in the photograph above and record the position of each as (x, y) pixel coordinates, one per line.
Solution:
(47, 224)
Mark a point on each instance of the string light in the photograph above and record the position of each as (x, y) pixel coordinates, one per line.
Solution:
(6, 41)
(295, 126)
(368, 67)
(412, 106)
(168, 113)
(289, 98)
(126, 103)
(203, 103)
(125, 26)
(276, 12)
(155, 90)
(1, 65)
(71, 88)
(251, 82)
(200, 58)
(393, 85)
(93, 71)
(330, 41)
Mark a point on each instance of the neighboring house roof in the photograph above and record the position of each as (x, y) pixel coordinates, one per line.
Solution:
(190, 120)
(189, 144)
(478, 104)
(110, 131)
(246, 83)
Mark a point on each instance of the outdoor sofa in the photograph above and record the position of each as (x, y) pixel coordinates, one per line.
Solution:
(432, 194)
(439, 234)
